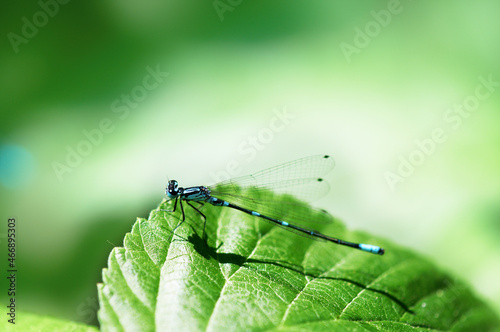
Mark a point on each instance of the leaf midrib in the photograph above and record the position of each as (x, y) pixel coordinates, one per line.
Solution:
(228, 279)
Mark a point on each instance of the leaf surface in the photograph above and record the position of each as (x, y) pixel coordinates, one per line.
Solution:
(251, 275)
(28, 322)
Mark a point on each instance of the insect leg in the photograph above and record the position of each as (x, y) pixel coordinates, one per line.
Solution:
(175, 206)
(204, 217)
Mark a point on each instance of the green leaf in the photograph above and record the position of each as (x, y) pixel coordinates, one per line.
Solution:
(250, 275)
(25, 321)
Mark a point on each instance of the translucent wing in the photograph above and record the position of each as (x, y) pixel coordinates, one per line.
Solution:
(299, 178)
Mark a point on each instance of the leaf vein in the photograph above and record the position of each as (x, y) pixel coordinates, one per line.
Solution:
(227, 281)
(379, 277)
(339, 263)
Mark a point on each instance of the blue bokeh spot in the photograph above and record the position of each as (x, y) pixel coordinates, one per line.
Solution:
(17, 166)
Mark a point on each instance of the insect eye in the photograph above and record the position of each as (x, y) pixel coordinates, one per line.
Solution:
(173, 186)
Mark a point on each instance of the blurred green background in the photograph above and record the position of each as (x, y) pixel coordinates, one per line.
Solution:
(89, 135)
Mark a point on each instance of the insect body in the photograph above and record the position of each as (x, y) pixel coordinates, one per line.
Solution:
(286, 175)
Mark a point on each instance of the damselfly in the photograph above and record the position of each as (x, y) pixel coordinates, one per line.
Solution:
(299, 177)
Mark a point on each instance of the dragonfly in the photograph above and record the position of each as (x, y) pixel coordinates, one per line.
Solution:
(301, 178)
